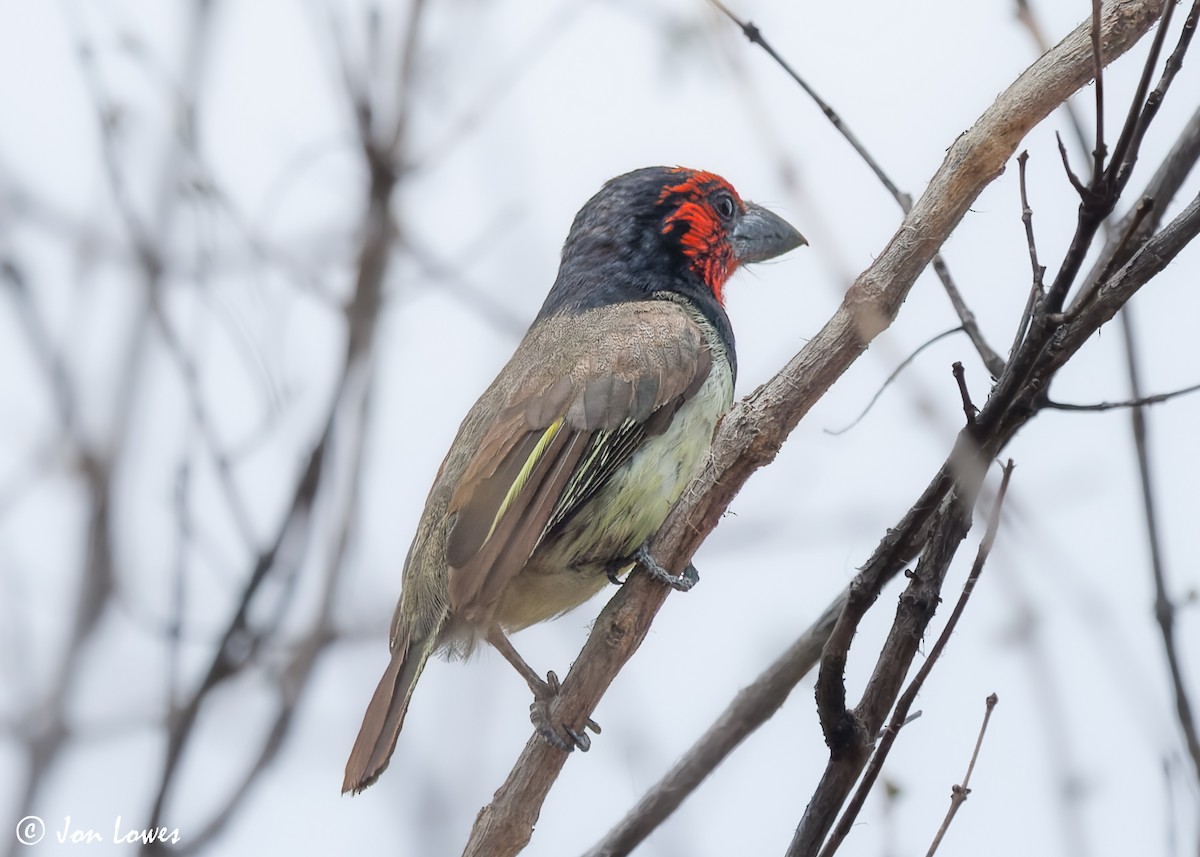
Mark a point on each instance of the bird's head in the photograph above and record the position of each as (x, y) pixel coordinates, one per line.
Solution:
(663, 228)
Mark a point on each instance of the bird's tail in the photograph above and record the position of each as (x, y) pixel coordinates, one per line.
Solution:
(385, 714)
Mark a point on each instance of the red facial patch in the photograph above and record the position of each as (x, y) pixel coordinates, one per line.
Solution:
(701, 233)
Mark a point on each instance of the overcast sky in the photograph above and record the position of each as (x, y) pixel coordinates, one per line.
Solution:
(520, 111)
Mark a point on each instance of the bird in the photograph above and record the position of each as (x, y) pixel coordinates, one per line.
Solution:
(573, 456)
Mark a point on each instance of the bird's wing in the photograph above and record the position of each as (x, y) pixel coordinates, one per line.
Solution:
(565, 429)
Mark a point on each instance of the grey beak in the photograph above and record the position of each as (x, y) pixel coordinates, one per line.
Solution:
(760, 234)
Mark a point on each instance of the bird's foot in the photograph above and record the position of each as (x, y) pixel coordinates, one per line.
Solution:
(539, 713)
(681, 582)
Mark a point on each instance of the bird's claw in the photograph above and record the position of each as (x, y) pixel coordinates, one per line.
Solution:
(679, 582)
(539, 714)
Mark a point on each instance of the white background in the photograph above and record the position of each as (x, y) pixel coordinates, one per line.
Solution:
(1083, 755)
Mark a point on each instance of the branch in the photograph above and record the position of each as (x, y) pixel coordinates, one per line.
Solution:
(969, 409)
(1143, 401)
(905, 703)
(1127, 237)
(240, 639)
(98, 462)
(753, 706)
(959, 793)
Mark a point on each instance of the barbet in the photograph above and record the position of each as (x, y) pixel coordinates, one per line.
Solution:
(573, 456)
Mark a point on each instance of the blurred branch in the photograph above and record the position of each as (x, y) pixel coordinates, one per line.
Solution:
(501, 82)
(408, 63)
(497, 313)
(220, 457)
(294, 678)
(44, 352)
(752, 433)
(240, 640)
(99, 461)
(1164, 607)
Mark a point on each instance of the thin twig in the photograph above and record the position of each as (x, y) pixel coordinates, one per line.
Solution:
(1100, 150)
(1080, 187)
(1143, 401)
(960, 792)
(1161, 188)
(1142, 109)
(969, 409)
(1026, 16)
(895, 373)
(755, 36)
(1039, 270)
(1037, 287)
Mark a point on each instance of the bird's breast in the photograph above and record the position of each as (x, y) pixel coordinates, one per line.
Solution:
(572, 566)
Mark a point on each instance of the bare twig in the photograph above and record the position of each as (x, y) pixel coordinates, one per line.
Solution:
(1100, 150)
(960, 792)
(1100, 196)
(1076, 182)
(1037, 286)
(1139, 224)
(895, 373)
(1025, 14)
(969, 409)
(1143, 401)
(1039, 270)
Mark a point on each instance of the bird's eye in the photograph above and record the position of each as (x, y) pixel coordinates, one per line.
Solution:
(724, 206)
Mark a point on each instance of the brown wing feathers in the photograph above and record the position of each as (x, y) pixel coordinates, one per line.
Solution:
(606, 402)
(479, 580)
